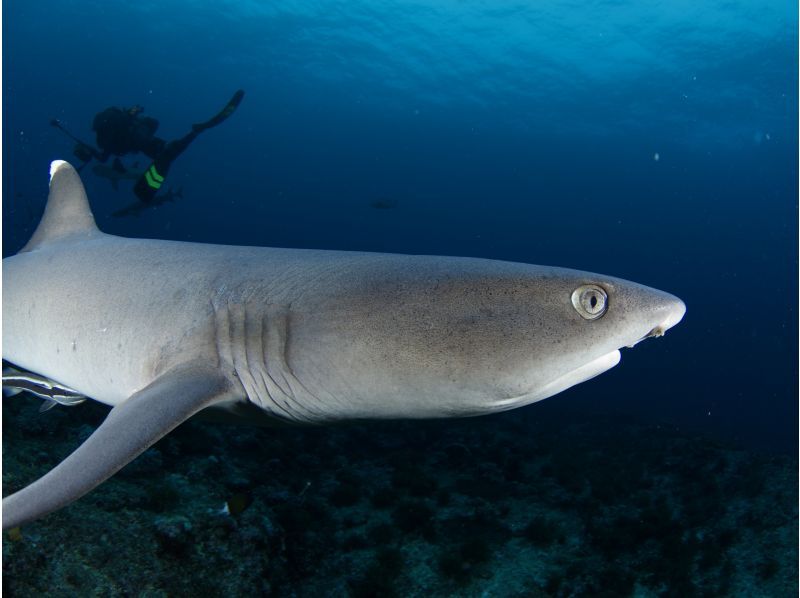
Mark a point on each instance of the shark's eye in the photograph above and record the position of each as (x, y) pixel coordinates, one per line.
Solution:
(590, 301)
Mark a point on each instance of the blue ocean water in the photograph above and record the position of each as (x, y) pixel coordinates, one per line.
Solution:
(653, 141)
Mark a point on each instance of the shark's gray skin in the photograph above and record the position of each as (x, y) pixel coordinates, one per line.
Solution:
(161, 330)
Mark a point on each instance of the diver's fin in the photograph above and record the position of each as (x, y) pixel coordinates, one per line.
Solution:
(130, 428)
(67, 213)
(223, 114)
(150, 182)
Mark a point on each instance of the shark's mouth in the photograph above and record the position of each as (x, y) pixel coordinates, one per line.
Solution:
(674, 317)
(580, 374)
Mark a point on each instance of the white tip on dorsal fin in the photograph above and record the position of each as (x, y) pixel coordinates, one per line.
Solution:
(67, 214)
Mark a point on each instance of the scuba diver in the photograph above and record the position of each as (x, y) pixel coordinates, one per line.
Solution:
(125, 131)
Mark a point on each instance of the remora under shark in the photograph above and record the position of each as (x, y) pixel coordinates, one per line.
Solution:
(161, 330)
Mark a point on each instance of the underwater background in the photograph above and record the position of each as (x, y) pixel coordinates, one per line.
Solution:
(653, 141)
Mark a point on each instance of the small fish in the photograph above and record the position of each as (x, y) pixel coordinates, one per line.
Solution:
(237, 504)
(137, 208)
(383, 204)
(53, 393)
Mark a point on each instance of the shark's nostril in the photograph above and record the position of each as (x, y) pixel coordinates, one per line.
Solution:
(677, 309)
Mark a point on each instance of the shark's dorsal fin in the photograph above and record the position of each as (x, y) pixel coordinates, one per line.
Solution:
(67, 214)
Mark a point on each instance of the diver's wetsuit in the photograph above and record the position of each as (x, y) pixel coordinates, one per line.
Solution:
(121, 132)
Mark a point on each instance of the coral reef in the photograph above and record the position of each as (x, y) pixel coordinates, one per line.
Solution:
(501, 506)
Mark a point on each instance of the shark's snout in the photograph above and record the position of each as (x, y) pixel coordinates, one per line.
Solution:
(674, 310)
(675, 315)
(668, 315)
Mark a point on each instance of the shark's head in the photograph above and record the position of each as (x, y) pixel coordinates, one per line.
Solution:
(438, 337)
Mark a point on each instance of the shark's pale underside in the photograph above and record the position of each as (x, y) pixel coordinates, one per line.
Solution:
(161, 330)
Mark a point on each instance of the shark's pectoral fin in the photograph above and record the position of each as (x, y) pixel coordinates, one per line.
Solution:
(130, 428)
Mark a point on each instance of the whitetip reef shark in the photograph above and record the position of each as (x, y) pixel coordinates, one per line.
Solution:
(160, 330)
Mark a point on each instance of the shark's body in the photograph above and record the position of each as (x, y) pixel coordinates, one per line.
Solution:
(161, 330)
